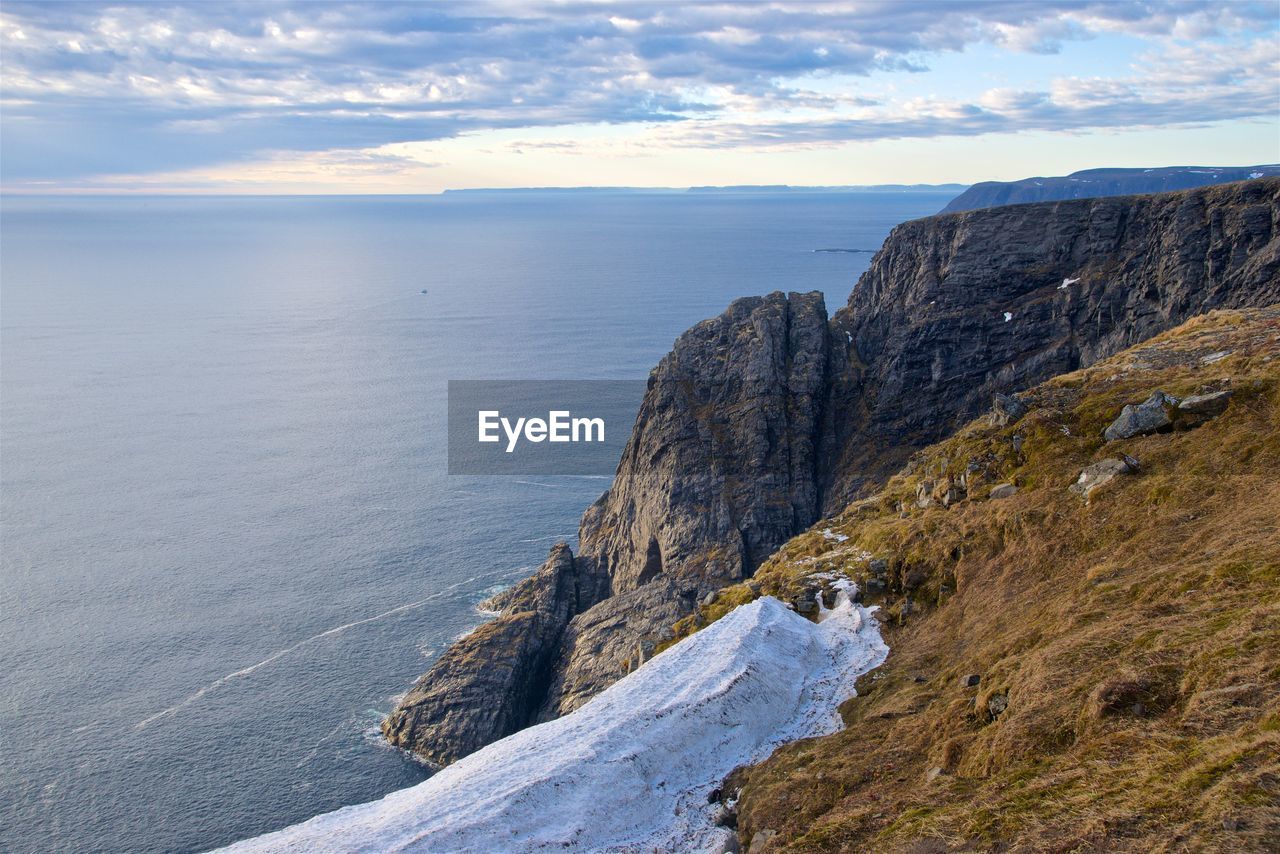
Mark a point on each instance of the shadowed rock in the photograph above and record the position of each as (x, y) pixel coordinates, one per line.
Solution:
(489, 684)
(1141, 419)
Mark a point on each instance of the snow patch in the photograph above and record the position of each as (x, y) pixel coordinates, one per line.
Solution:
(632, 769)
(1066, 283)
(828, 534)
(1008, 315)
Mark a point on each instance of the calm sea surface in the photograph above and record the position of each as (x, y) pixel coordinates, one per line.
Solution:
(228, 536)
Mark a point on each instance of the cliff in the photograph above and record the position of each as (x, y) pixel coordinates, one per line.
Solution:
(770, 416)
(1092, 183)
(1085, 638)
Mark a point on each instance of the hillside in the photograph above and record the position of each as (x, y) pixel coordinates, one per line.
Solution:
(1093, 183)
(1070, 668)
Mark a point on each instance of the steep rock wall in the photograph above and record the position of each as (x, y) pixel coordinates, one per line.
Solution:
(768, 416)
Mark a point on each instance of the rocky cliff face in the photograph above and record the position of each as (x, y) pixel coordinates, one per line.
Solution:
(719, 471)
(956, 308)
(769, 416)
(1092, 183)
(490, 684)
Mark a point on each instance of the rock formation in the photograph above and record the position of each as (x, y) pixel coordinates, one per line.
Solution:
(488, 686)
(764, 419)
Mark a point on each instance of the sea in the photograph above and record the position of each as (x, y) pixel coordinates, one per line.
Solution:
(228, 536)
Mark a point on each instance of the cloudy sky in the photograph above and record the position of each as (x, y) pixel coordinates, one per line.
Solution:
(418, 97)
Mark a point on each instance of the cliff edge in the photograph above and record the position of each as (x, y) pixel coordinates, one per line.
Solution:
(769, 417)
(1081, 594)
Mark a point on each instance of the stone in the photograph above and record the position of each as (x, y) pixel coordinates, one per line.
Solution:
(1003, 490)
(1210, 405)
(1099, 475)
(934, 773)
(970, 680)
(996, 705)
(761, 841)
(1007, 409)
(1141, 420)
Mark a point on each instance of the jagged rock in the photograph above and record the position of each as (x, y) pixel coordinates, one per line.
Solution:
(1007, 409)
(1140, 420)
(598, 645)
(719, 472)
(924, 360)
(1098, 475)
(949, 492)
(1003, 490)
(770, 415)
(489, 684)
(1208, 405)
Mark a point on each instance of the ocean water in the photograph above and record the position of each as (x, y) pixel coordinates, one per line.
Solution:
(227, 534)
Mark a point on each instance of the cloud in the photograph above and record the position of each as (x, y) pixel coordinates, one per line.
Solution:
(127, 88)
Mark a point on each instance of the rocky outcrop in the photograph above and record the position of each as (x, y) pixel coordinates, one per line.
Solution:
(1100, 474)
(491, 683)
(1094, 183)
(720, 470)
(957, 308)
(764, 419)
(1141, 418)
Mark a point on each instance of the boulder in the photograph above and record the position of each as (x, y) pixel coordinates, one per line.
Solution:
(971, 680)
(1003, 490)
(1209, 405)
(1007, 409)
(1100, 474)
(761, 841)
(1140, 420)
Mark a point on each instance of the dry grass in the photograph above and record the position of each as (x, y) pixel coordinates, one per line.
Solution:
(1129, 649)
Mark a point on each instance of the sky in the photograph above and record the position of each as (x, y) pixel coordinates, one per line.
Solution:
(265, 97)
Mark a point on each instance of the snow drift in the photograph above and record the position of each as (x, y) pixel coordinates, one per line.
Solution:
(633, 768)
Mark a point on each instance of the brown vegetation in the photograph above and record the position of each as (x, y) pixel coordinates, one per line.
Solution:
(1127, 647)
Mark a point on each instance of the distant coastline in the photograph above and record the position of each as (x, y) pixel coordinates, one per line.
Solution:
(740, 189)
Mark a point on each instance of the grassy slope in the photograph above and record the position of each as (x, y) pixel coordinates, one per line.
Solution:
(1135, 639)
